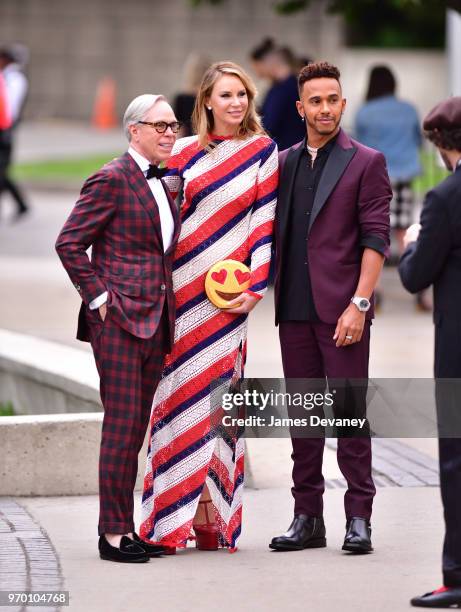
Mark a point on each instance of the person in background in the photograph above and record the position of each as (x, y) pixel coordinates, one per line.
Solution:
(14, 91)
(392, 126)
(433, 257)
(183, 104)
(279, 115)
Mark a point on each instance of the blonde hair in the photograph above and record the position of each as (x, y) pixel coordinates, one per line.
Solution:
(202, 118)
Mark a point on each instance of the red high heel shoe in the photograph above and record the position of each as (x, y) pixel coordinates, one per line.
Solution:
(206, 534)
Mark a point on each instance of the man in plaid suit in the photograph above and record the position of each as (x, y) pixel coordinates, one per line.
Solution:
(127, 216)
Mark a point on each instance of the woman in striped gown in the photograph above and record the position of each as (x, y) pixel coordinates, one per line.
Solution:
(228, 178)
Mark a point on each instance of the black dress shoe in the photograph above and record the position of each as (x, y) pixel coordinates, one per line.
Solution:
(304, 532)
(358, 536)
(446, 597)
(129, 551)
(152, 550)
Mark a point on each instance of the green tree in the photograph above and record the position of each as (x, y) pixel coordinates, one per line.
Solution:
(293, 6)
(380, 23)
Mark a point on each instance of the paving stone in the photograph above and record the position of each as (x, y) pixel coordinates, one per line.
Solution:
(396, 464)
(26, 547)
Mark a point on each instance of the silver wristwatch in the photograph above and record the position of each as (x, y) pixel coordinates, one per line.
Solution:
(362, 303)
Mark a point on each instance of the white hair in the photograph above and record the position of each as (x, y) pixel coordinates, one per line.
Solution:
(138, 109)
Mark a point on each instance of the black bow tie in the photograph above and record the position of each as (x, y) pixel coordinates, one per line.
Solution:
(155, 172)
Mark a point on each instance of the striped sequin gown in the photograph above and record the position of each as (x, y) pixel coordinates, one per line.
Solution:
(227, 212)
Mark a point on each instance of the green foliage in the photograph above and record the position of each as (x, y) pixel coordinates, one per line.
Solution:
(288, 7)
(393, 23)
(195, 3)
(6, 409)
(350, 6)
(379, 23)
(433, 173)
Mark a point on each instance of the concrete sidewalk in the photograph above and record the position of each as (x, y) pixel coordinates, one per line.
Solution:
(405, 562)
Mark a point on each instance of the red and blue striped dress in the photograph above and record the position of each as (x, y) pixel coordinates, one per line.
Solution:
(227, 212)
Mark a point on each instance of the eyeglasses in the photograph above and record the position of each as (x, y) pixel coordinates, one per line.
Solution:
(162, 126)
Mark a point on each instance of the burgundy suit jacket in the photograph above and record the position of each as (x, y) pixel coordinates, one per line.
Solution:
(350, 212)
(118, 217)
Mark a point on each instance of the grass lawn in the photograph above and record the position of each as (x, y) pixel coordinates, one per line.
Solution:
(79, 169)
(6, 409)
(60, 170)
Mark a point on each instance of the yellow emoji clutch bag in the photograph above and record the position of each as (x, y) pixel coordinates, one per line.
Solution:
(225, 281)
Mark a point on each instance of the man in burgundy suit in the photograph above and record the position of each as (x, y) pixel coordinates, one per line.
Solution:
(332, 235)
(125, 213)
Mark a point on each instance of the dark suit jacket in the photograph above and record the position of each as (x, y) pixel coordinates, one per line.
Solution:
(117, 215)
(435, 259)
(350, 212)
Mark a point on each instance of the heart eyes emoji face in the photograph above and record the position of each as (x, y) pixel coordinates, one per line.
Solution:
(225, 281)
(219, 277)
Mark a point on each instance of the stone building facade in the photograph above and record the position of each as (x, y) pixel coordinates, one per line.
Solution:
(141, 44)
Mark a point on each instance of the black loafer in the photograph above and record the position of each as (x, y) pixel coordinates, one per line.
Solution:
(129, 551)
(304, 532)
(152, 550)
(358, 536)
(446, 597)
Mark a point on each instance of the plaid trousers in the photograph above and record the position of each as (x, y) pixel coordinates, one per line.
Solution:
(129, 370)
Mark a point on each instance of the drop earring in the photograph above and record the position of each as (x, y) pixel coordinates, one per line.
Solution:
(209, 107)
(302, 118)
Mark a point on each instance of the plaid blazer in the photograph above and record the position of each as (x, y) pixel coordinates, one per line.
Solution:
(117, 215)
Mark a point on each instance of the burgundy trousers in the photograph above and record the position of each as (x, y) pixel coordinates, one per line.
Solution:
(309, 351)
(129, 370)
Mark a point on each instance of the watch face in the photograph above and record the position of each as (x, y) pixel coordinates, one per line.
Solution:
(363, 303)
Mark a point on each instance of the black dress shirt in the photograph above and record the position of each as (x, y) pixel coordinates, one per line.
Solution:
(296, 299)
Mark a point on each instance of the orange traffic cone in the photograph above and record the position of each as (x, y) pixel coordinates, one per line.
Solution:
(104, 116)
